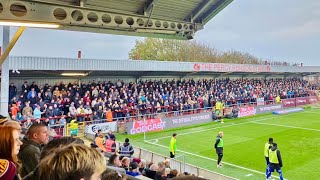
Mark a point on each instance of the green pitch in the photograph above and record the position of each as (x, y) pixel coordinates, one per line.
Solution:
(297, 136)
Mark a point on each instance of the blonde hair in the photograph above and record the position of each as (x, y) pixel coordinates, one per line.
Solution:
(75, 161)
(13, 124)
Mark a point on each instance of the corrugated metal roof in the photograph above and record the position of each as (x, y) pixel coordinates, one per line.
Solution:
(66, 64)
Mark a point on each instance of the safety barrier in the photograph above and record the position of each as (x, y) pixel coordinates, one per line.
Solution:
(178, 164)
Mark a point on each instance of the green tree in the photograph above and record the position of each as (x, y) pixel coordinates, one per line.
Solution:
(190, 51)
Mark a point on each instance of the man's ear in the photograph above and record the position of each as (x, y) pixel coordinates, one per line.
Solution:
(34, 135)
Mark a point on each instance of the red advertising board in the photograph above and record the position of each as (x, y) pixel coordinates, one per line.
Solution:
(147, 126)
(289, 102)
(312, 99)
(302, 101)
(247, 111)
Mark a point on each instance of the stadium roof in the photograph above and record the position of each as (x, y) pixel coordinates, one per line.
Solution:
(178, 19)
(46, 66)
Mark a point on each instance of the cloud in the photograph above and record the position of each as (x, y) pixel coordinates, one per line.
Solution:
(304, 30)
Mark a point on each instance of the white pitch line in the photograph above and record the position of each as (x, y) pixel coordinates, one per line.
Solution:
(293, 127)
(202, 130)
(203, 157)
(232, 124)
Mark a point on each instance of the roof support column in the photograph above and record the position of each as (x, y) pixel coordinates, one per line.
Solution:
(8, 47)
(5, 74)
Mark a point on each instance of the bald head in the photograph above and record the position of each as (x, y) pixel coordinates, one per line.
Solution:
(38, 133)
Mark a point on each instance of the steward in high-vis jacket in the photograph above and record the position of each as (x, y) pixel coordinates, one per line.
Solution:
(173, 145)
(126, 150)
(111, 146)
(275, 161)
(219, 148)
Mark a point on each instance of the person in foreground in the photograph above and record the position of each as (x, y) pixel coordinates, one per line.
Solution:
(76, 162)
(275, 161)
(219, 148)
(9, 149)
(37, 135)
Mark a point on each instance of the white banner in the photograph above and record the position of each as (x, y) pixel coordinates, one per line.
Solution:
(105, 127)
(260, 101)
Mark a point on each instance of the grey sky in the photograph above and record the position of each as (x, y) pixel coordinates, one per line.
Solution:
(287, 30)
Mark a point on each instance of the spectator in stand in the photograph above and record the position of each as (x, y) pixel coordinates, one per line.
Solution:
(167, 163)
(14, 110)
(32, 93)
(9, 149)
(28, 115)
(27, 109)
(113, 175)
(49, 112)
(126, 149)
(60, 164)
(133, 169)
(163, 96)
(114, 163)
(161, 174)
(12, 91)
(152, 171)
(37, 112)
(173, 173)
(51, 147)
(109, 115)
(28, 123)
(125, 161)
(62, 120)
(80, 113)
(72, 109)
(110, 135)
(37, 135)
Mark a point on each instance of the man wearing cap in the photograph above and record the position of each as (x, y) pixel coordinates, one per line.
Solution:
(219, 148)
(173, 145)
(133, 169)
(275, 161)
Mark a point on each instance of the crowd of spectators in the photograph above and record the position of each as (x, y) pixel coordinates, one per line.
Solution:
(64, 158)
(108, 100)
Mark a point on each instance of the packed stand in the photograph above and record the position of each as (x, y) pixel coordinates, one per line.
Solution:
(35, 157)
(62, 103)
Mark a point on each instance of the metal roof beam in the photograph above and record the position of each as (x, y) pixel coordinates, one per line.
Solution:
(148, 6)
(199, 10)
(84, 19)
(213, 11)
